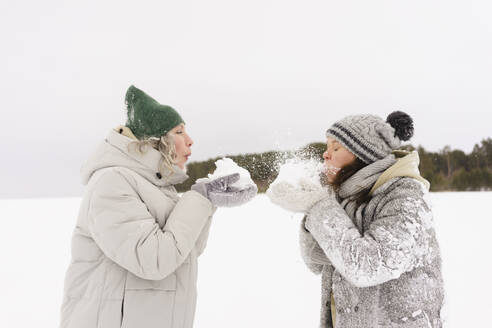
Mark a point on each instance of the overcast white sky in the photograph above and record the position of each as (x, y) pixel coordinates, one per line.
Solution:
(247, 76)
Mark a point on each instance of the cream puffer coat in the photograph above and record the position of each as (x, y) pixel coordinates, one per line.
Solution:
(135, 244)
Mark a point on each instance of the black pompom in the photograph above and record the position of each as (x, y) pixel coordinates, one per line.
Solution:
(402, 123)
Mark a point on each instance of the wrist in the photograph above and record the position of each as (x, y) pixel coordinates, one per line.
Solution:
(200, 188)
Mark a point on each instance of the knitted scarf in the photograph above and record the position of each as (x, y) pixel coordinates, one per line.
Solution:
(361, 181)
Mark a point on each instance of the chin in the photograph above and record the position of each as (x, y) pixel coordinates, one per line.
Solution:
(325, 179)
(182, 166)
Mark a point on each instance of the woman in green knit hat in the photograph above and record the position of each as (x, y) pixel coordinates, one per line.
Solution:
(136, 241)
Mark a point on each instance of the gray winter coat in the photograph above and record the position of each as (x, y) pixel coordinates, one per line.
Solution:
(380, 260)
(135, 244)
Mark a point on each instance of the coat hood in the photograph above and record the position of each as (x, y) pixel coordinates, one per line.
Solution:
(406, 166)
(114, 151)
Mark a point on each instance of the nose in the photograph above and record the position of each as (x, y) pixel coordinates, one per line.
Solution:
(189, 142)
(326, 155)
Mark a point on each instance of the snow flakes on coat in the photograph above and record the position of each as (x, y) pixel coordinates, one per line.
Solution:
(382, 265)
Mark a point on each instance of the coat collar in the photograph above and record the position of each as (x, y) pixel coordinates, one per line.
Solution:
(118, 150)
(398, 164)
(407, 165)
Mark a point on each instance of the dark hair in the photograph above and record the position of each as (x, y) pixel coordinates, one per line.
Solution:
(345, 173)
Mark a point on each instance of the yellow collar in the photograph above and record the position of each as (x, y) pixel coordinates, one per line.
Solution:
(406, 166)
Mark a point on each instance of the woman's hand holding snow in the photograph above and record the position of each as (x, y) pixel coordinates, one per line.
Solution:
(296, 197)
(297, 187)
(229, 186)
(206, 186)
(233, 196)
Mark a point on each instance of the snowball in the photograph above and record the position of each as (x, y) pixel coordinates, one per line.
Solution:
(295, 171)
(226, 166)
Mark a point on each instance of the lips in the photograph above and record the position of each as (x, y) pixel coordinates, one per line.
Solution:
(330, 169)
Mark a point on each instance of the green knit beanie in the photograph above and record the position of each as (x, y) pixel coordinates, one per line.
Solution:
(148, 118)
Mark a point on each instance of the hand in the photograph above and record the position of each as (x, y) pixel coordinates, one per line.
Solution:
(297, 198)
(233, 196)
(220, 192)
(204, 186)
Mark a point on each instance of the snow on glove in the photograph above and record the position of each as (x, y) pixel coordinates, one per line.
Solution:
(205, 186)
(233, 196)
(298, 197)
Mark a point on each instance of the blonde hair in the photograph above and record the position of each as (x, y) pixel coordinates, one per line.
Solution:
(164, 145)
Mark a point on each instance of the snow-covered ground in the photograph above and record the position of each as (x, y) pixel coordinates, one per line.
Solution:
(251, 274)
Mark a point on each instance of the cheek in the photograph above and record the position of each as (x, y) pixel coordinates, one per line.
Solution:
(179, 144)
(349, 159)
(336, 161)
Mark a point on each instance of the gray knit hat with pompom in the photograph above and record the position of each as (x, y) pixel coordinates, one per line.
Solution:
(369, 137)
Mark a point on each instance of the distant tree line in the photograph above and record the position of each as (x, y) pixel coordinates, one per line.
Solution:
(447, 170)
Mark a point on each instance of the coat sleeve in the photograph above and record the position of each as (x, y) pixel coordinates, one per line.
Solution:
(127, 233)
(396, 242)
(312, 255)
(201, 243)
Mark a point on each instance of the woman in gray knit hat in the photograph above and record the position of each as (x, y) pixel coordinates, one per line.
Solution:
(136, 242)
(371, 236)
